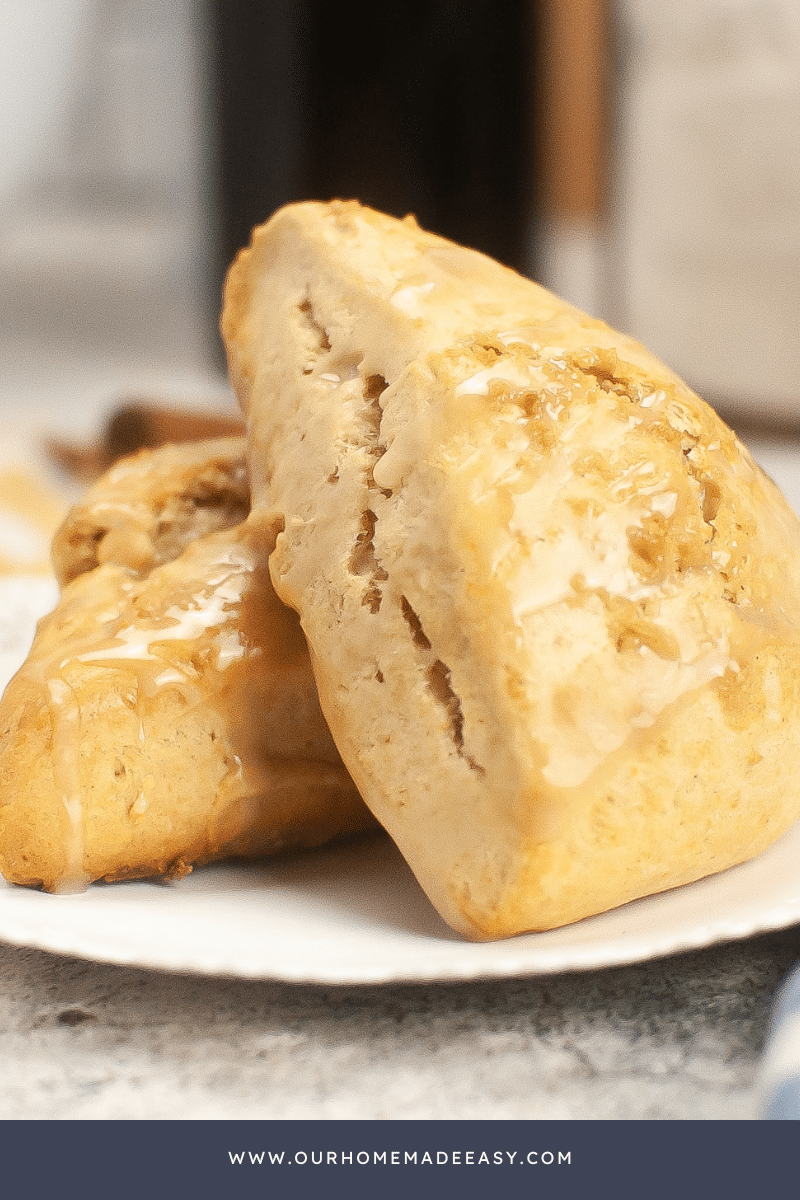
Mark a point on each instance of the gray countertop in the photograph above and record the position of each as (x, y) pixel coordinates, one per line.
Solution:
(677, 1038)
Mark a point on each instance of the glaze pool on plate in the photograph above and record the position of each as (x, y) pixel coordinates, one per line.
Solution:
(353, 914)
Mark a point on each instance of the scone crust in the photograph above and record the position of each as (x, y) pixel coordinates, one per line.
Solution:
(551, 600)
(150, 506)
(167, 713)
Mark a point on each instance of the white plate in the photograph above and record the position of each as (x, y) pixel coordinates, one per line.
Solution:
(353, 914)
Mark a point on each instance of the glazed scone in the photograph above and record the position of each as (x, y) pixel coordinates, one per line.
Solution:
(553, 605)
(166, 714)
(148, 507)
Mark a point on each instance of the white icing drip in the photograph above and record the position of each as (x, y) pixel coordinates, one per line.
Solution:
(230, 648)
(134, 641)
(407, 299)
(509, 372)
(66, 720)
(171, 675)
(509, 336)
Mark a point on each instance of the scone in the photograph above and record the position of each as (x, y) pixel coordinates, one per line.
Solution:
(148, 507)
(166, 714)
(553, 605)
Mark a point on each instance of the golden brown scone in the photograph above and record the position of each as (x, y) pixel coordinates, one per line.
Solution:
(145, 510)
(553, 604)
(167, 713)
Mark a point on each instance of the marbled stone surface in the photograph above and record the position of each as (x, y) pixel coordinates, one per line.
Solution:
(676, 1038)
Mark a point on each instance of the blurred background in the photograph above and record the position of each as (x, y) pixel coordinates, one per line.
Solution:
(640, 158)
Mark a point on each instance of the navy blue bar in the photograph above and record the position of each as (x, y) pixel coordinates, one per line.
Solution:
(127, 1160)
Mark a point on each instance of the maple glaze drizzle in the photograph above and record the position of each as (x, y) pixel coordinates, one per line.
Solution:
(120, 638)
(65, 715)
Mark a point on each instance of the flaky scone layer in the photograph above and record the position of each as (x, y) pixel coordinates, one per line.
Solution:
(553, 605)
(167, 713)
